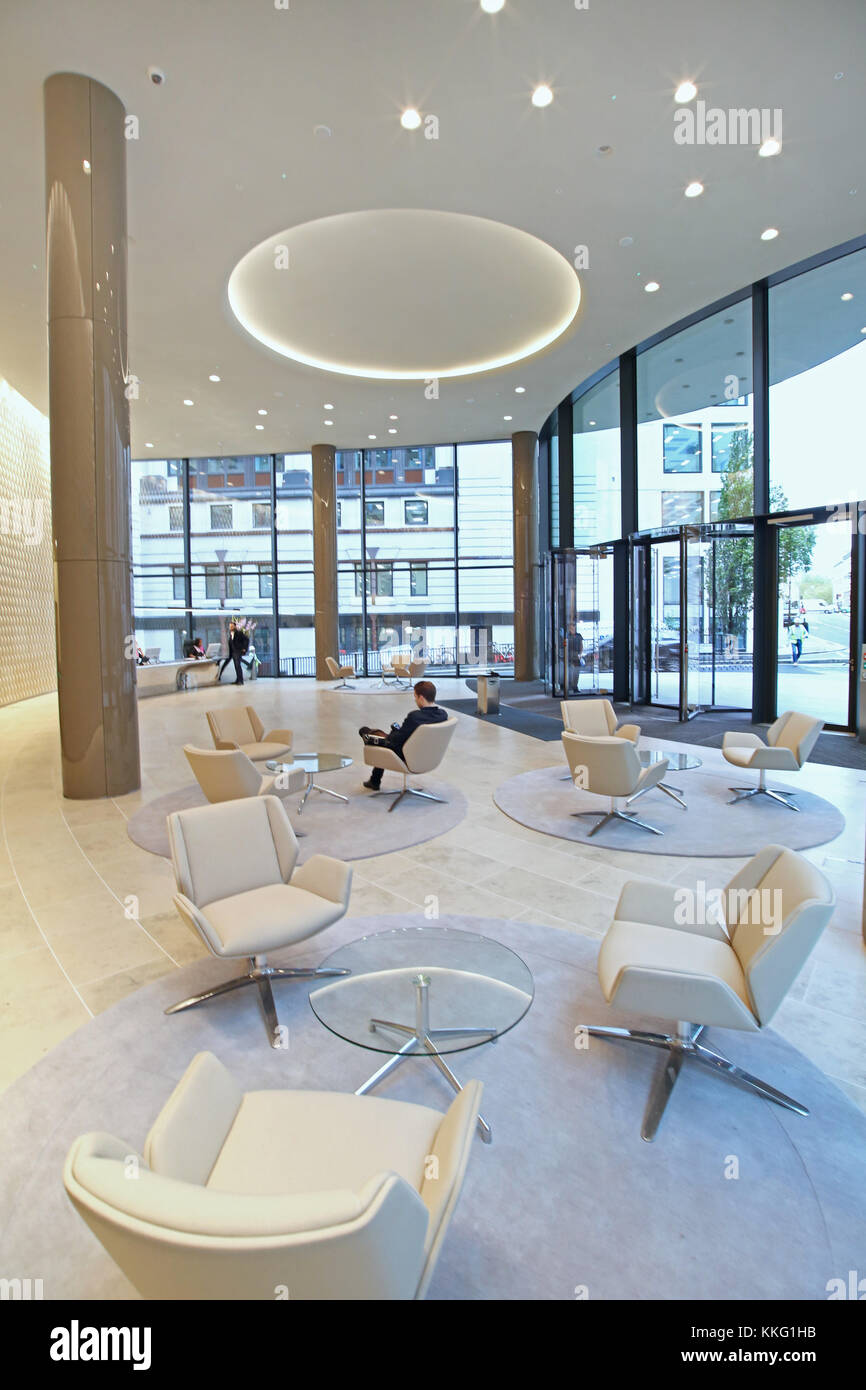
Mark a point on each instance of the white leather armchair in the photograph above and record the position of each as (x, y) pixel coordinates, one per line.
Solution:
(609, 766)
(242, 728)
(790, 740)
(239, 890)
(340, 673)
(729, 967)
(595, 719)
(423, 751)
(229, 775)
(305, 1195)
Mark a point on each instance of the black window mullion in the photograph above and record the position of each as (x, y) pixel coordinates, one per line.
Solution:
(187, 546)
(275, 601)
(456, 565)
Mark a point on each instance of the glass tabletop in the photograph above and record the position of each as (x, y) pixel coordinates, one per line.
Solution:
(677, 762)
(472, 989)
(312, 762)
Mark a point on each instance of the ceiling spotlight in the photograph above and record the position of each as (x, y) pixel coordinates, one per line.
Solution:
(542, 96)
(371, 436)
(770, 147)
(410, 119)
(327, 406)
(508, 417)
(592, 422)
(863, 330)
(213, 377)
(492, 6)
(520, 390)
(188, 402)
(847, 295)
(651, 286)
(392, 430)
(393, 417)
(694, 190)
(626, 241)
(262, 412)
(770, 234)
(686, 91)
(85, 164)
(148, 446)
(259, 427)
(328, 422)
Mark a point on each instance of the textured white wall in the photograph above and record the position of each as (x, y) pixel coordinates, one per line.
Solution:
(27, 651)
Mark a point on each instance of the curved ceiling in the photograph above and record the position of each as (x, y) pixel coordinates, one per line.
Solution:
(234, 146)
(404, 294)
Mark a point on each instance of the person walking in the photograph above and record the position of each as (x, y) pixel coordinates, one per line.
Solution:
(426, 712)
(796, 636)
(238, 645)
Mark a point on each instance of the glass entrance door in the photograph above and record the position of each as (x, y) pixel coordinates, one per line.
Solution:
(813, 649)
(579, 625)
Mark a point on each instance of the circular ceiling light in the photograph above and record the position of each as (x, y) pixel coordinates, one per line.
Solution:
(508, 417)
(393, 417)
(328, 422)
(262, 412)
(259, 427)
(371, 436)
(148, 446)
(769, 234)
(651, 286)
(847, 295)
(542, 96)
(520, 390)
(492, 6)
(392, 430)
(327, 406)
(452, 294)
(189, 402)
(410, 119)
(769, 148)
(686, 91)
(694, 190)
(213, 377)
(592, 422)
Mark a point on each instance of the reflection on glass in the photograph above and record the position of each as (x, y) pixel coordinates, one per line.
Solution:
(597, 464)
(814, 634)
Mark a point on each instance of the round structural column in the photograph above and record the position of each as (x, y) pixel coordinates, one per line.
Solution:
(524, 472)
(325, 557)
(85, 182)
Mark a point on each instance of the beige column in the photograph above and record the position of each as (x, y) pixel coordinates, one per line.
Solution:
(325, 557)
(524, 474)
(85, 181)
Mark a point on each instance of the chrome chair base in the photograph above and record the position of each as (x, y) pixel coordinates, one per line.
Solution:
(743, 793)
(344, 685)
(678, 1048)
(617, 815)
(673, 792)
(400, 792)
(420, 1040)
(260, 975)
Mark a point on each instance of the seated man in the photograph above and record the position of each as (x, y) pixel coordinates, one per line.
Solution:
(428, 712)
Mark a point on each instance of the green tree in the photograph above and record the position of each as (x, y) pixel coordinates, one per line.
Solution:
(734, 554)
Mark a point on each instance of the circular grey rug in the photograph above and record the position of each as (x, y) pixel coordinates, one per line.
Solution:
(710, 827)
(566, 1197)
(356, 829)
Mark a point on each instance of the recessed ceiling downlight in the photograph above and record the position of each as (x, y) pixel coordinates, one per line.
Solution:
(651, 286)
(694, 190)
(410, 119)
(213, 377)
(452, 294)
(769, 148)
(542, 95)
(686, 91)
(769, 234)
(492, 6)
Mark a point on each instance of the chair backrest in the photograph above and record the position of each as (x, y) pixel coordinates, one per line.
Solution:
(332, 666)
(606, 765)
(231, 848)
(417, 669)
(593, 717)
(425, 748)
(775, 915)
(224, 774)
(231, 725)
(798, 732)
(181, 1240)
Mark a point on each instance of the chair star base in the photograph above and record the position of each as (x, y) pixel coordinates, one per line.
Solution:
(421, 1040)
(743, 793)
(616, 814)
(260, 975)
(679, 1047)
(344, 685)
(400, 792)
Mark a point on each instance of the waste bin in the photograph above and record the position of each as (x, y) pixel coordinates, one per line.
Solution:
(488, 693)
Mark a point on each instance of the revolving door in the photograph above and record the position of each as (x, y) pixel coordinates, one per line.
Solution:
(578, 629)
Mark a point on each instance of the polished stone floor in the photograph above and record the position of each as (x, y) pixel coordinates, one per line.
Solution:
(86, 916)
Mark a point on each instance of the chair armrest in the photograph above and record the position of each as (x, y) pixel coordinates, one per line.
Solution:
(328, 878)
(187, 1135)
(742, 740)
(377, 756)
(629, 731)
(452, 1149)
(642, 900)
(225, 745)
(278, 736)
(780, 759)
(196, 920)
(652, 775)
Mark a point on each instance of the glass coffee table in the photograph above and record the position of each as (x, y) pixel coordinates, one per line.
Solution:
(313, 764)
(677, 762)
(463, 990)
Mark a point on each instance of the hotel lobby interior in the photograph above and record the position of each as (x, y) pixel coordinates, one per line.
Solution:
(500, 937)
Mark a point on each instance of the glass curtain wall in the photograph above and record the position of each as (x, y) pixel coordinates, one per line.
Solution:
(294, 556)
(485, 556)
(158, 557)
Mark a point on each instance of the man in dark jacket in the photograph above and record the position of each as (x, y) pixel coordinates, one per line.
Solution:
(427, 712)
(238, 647)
